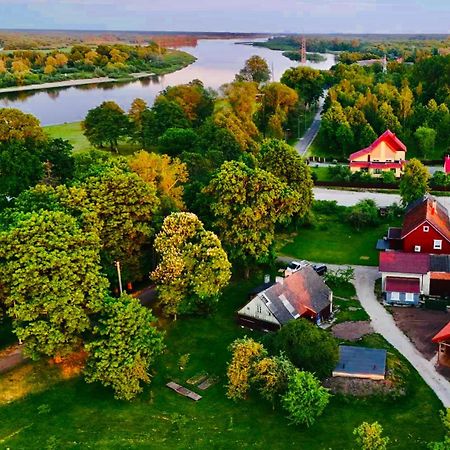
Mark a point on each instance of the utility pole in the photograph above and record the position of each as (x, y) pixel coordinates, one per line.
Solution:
(119, 276)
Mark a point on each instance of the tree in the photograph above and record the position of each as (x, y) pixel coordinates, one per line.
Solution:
(305, 398)
(51, 281)
(255, 69)
(245, 352)
(387, 119)
(166, 173)
(58, 153)
(308, 347)
(137, 109)
(283, 161)
(414, 182)
(121, 207)
(246, 204)
(193, 267)
(364, 214)
(369, 436)
(124, 345)
(426, 140)
(309, 83)
(18, 126)
(106, 124)
(20, 168)
(174, 141)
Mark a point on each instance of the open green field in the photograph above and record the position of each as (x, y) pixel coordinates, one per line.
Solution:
(73, 133)
(71, 414)
(331, 240)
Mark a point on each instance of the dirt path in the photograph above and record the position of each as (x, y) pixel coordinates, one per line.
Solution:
(11, 358)
(383, 323)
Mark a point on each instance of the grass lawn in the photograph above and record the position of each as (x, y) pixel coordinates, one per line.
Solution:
(321, 172)
(73, 133)
(345, 299)
(331, 240)
(71, 414)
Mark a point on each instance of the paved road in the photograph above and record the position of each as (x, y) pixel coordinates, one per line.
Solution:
(12, 359)
(383, 323)
(303, 144)
(350, 198)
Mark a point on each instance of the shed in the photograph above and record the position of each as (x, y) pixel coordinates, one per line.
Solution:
(443, 339)
(361, 362)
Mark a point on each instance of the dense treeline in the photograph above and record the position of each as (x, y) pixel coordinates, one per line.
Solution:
(83, 61)
(412, 49)
(208, 191)
(413, 101)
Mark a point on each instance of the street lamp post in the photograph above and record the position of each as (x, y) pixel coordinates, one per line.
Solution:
(119, 275)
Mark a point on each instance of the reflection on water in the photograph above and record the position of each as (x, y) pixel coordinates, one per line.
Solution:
(217, 63)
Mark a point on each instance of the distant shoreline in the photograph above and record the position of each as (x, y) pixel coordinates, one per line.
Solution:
(70, 83)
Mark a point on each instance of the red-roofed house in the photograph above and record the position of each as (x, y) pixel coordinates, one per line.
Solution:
(426, 229)
(404, 276)
(387, 152)
(447, 164)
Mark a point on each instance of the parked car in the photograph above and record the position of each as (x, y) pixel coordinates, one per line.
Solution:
(320, 269)
(294, 266)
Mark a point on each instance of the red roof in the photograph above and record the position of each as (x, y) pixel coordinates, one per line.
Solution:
(378, 164)
(389, 137)
(404, 262)
(443, 335)
(447, 164)
(409, 285)
(428, 210)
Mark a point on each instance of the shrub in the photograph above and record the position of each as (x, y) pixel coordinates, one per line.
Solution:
(363, 214)
(308, 347)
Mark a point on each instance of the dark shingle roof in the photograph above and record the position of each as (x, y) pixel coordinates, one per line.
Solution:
(361, 360)
(440, 263)
(302, 291)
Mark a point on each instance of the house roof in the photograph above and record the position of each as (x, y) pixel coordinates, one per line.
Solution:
(361, 361)
(440, 263)
(443, 335)
(389, 138)
(401, 262)
(394, 233)
(447, 164)
(407, 285)
(378, 164)
(300, 292)
(427, 209)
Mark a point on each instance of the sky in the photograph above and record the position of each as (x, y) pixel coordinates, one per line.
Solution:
(271, 16)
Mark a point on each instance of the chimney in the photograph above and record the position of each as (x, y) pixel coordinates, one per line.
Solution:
(433, 206)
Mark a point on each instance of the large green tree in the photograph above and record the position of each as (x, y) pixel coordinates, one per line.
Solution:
(121, 207)
(193, 267)
(51, 281)
(309, 83)
(106, 124)
(255, 69)
(246, 204)
(414, 182)
(124, 344)
(308, 347)
(283, 161)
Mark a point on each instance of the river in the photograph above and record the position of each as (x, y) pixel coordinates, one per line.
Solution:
(217, 62)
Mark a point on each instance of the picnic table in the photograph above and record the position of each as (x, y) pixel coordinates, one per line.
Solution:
(183, 391)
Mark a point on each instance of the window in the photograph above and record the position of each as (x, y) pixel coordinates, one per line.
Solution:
(409, 297)
(417, 248)
(378, 171)
(437, 244)
(258, 309)
(395, 296)
(426, 228)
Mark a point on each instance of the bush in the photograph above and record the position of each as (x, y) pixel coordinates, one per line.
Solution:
(305, 398)
(363, 214)
(308, 347)
(440, 179)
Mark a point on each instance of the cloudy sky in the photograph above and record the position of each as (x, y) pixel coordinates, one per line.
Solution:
(309, 16)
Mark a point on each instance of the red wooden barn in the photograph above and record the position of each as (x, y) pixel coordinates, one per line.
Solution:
(426, 229)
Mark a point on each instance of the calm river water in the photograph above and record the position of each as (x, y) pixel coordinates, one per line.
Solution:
(217, 63)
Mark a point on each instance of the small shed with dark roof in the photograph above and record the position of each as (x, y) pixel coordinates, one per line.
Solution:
(361, 362)
(301, 294)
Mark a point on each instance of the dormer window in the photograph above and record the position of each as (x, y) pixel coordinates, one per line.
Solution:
(426, 228)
